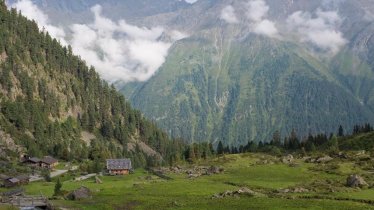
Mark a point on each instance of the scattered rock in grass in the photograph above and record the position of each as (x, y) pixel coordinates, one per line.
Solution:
(80, 193)
(324, 159)
(245, 191)
(196, 171)
(356, 181)
(241, 191)
(214, 170)
(293, 190)
(343, 155)
(287, 159)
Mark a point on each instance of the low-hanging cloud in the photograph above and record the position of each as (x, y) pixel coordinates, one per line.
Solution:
(257, 12)
(319, 30)
(228, 15)
(119, 51)
(33, 12)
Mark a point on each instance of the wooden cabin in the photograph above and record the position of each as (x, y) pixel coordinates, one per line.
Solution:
(31, 161)
(48, 162)
(118, 166)
(16, 181)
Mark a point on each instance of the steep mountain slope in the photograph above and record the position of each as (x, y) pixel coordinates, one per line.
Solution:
(224, 82)
(77, 11)
(52, 103)
(241, 93)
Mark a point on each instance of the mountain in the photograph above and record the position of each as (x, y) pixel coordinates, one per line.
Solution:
(233, 80)
(223, 83)
(52, 103)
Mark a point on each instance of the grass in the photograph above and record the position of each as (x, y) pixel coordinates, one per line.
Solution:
(136, 192)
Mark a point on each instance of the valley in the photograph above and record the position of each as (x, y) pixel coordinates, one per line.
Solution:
(186, 104)
(273, 184)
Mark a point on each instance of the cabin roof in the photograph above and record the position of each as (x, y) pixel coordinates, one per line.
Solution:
(13, 180)
(49, 160)
(118, 164)
(31, 160)
(22, 177)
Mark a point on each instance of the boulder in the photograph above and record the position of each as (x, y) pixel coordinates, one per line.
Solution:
(287, 159)
(214, 170)
(245, 191)
(241, 191)
(324, 159)
(356, 181)
(80, 193)
(294, 190)
(300, 190)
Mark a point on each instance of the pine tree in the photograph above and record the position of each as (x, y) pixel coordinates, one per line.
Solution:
(220, 148)
(58, 186)
(340, 131)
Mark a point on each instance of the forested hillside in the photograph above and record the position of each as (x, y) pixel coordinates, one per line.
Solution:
(52, 103)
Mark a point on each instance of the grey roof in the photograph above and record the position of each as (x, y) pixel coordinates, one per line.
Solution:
(23, 177)
(112, 164)
(34, 159)
(13, 180)
(49, 160)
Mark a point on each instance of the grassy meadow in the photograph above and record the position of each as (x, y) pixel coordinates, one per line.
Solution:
(261, 173)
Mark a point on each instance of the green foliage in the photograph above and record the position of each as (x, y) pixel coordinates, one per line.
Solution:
(242, 170)
(49, 96)
(46, 174)
(58, 187)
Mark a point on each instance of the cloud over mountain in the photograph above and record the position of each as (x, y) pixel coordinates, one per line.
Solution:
(320, 29)
(228, 15)
(119, 51)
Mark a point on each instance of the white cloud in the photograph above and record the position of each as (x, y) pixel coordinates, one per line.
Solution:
(257, 11)
(191, 1)
(119, 51)
(33, 12)
(265, 27)
(319, 30)
(228, 15)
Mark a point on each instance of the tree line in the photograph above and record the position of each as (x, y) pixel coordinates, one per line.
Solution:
(292, 142)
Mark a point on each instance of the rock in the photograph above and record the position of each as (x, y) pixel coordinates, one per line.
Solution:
(300, 190)
(241, 191)
(284, 190)
(80, 193)
(356, 181)
(98, 180)
(216, 196)
(342, 155)
(191, 176)
(245, 191)
(214, 170)
(294, 190)
(324, 159)
(287, 159)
